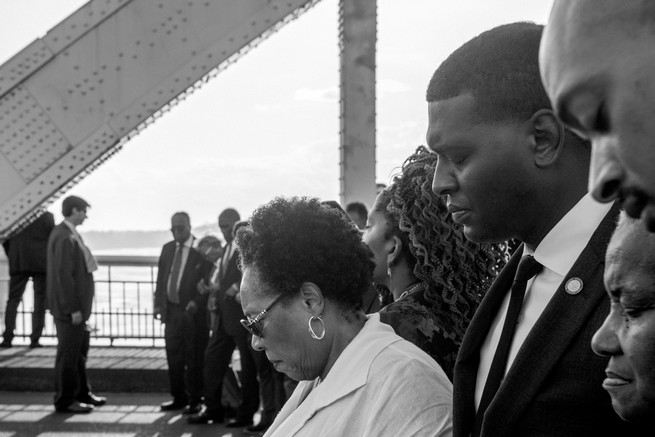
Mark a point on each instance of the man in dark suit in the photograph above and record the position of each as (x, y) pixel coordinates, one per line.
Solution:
(227, 335)
(510, 170)
(70, 290)
(26, 252)
(184, 312)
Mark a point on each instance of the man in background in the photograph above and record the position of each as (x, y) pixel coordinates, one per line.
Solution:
(184, 312)
(26, 252)
(358, 213)
(227, 335)
(70, 291)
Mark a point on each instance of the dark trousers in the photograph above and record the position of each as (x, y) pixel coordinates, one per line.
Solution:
(185, 336)
(17, 284)
(218, 356)
(70, 364)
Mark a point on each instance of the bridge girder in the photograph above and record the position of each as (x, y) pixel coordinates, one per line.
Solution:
(72, 98)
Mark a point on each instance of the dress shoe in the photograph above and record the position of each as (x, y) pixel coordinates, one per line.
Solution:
(172, 405)
(35, 344)
(239, 422)
(5, 344)
(75, 408)
(91, 399)
(205, 417)
(192, 409)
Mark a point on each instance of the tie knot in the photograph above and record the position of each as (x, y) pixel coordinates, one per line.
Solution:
(528, 267)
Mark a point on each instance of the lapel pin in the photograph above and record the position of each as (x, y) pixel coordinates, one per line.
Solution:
(574, 286)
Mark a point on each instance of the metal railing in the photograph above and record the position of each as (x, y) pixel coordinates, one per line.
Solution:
(122, 309)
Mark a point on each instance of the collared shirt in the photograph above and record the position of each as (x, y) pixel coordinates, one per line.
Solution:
(557, 253)
(186, 246)
(380, 385)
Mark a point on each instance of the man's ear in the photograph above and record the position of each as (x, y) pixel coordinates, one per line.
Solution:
(312, 298)
(395, 250)
(547, 135)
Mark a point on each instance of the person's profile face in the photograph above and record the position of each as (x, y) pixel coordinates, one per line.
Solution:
(599, 73)
(285, 337)
(627, 336)
(180, 228)
(78, 216)
(481, 168)
(374, 237)
(226, 225)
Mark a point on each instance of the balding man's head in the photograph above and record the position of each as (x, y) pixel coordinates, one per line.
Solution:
(597, 62)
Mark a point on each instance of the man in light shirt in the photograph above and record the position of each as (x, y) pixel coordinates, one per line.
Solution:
(510, 170)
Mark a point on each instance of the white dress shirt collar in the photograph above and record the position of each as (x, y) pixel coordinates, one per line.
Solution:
(189, 242)
(563, 244)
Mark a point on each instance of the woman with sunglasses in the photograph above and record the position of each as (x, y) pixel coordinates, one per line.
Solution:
(305, 269)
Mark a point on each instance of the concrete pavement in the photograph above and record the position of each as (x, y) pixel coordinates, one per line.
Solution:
(31, 414)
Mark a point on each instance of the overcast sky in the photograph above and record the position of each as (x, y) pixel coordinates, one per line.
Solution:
(269, 124)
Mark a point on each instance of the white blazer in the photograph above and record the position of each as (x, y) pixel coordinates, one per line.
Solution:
(381, 385)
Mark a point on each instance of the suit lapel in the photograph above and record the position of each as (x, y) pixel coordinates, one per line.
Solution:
(468, 358)
(168, 261)
(563, 318)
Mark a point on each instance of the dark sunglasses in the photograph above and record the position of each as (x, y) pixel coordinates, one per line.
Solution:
(254, 325)
(178, 228)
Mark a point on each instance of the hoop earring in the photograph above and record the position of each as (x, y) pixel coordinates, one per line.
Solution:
(311, 330)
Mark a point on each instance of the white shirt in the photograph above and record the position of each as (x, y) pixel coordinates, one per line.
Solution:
(380, 386)
(186, 246)
(557, 253)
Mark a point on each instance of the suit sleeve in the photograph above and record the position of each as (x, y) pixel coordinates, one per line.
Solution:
(70, 300)
(160, 286)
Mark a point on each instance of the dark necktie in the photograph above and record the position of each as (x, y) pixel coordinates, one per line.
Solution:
(173, 294)
(528, 267)
(225, 260)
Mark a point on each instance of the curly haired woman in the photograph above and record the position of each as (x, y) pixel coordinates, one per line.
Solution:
(436, 275)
